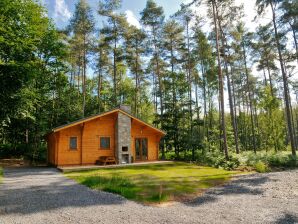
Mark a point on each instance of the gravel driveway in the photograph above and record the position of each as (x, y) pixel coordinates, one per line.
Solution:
(43, 195)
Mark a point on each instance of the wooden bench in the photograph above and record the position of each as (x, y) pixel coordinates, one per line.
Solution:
(104, 160)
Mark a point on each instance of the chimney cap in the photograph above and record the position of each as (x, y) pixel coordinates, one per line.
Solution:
(126, 108)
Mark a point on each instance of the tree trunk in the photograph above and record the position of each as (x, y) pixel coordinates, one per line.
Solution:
(115, 66)
(156, 55)
(137, 84)
(99, 85)
(250, 100)
(270, 78)
(84, 76)
(233, 120)
(189, 90)
(220, 78)
(295, 40)
(285, 83)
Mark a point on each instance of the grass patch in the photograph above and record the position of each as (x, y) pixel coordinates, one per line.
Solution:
(152, 183)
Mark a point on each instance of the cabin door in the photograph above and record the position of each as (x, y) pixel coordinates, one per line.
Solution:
(141, 148)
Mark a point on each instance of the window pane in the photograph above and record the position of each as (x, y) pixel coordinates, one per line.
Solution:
(104, 142)
(144, 148)
(73, 142)
(138, 149)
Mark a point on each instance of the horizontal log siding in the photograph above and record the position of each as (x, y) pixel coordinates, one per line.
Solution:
(138, 130)
(93, 130)
(61, 154)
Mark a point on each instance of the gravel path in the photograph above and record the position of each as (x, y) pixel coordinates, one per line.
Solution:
(43, 195)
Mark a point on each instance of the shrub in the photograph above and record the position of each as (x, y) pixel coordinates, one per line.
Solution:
(27, 151)
(261, 167)
(8, 151)
(272, 159)
(218, 160)
(292, 161)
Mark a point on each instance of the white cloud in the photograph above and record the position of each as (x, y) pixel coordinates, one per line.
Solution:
(132, 19)
(61, 12)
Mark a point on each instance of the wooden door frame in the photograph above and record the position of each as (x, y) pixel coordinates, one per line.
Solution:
(141, 151)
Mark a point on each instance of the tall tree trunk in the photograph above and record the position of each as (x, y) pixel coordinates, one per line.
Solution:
(233, 120)
(159, 79)
(137, 84)
(295, 40)
(285, 82)
(79, 76)
(265, 78)
(204, 98)
(99, 84)
(115, 66)
(189, 89)
(250, 99)
(84, 76)
(220, 79)
(270, 77)
(174, 103)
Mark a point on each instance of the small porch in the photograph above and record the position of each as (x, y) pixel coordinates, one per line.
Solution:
(66, 169)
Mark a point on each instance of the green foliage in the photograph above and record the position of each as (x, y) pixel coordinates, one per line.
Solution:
(218, 160)
(213, 159)
(35, 154)
(166, 72)
(271, 123)
(114, 184)
(271, 159)
(261, 167)
(10, 151)
(158, 198)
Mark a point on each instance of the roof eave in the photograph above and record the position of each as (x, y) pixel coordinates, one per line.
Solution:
(59, 128)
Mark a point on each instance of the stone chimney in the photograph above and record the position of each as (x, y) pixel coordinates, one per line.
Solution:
(123, 136)
(125, 108)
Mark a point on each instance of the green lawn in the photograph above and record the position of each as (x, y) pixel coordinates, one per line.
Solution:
(154, 183)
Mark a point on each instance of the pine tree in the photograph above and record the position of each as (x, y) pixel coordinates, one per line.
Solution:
(153, 17)
(135, 49)
(113, 32)
(82, 27)
(262, 5)
(173, 44)
(220, 79)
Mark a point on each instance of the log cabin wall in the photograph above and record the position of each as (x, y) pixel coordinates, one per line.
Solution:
(139, 130)
(88, 135)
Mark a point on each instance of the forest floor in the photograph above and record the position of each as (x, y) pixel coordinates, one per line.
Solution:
(44, 195)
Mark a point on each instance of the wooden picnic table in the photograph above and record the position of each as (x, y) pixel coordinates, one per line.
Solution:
(104, 160)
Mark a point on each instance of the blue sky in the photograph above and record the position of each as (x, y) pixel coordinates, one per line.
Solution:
(61, 10)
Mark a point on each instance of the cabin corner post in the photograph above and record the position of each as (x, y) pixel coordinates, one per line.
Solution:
(56, 139)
